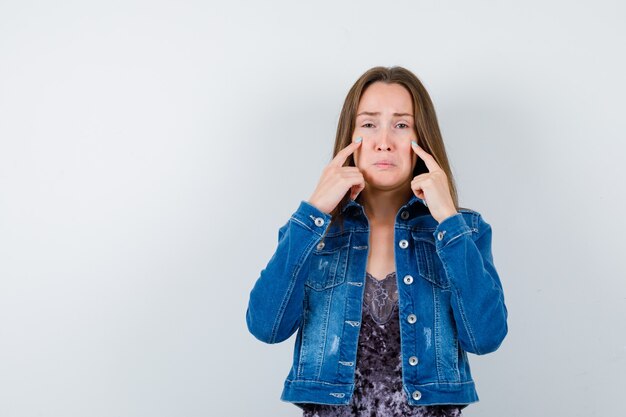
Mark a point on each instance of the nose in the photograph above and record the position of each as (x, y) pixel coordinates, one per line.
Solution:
(383, 142)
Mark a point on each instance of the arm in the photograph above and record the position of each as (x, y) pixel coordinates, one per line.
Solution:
(275, 307)
(477, 296)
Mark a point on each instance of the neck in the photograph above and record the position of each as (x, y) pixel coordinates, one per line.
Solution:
(381, 206)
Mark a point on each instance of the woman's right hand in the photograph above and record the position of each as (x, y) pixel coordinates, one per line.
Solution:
(336, 180)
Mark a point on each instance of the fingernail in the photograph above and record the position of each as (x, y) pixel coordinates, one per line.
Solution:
(414, 143)
(359, 139)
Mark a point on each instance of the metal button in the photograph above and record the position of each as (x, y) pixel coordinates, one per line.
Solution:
(404, 243)
(404, 215)
(413, 360)
(320, 245)
(408, 280)
(411, 318)
(319, 221)
(417, 395)
(440, 235)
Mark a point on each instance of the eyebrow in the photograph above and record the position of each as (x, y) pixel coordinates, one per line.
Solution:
(371, 113)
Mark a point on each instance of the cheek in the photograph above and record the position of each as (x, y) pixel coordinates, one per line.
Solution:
(367, 145)
(358, 158)
(404, 145)
(406, 150)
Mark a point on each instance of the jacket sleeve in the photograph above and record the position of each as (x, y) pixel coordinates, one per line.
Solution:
(477, 297)
(275, 306)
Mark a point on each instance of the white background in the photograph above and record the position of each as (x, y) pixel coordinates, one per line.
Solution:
(150, 150)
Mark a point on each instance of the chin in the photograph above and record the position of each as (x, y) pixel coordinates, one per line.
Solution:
(385, 185)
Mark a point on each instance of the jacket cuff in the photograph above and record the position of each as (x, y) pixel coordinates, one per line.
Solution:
(312, 218)
(450, 229)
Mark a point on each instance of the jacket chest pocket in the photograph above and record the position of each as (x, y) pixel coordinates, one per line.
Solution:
(328, 263)
(428, 262)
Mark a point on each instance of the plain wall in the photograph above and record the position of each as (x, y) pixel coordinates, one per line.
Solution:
(150, 150)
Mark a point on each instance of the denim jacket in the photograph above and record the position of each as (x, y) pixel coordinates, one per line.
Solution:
(450, 301)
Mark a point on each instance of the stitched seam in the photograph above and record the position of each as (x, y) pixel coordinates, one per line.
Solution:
(437, 333)
(305, 226)
(445, 383)
(343, 330)
(348, 385)
(445, 269)
(345, 308)
(322, 352)
(457, 236)
(465, 321)
(317, 382)
(303, 343)
(456, 360)
(283, 304)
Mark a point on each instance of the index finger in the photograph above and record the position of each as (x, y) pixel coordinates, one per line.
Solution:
(428, 159)
(343, 154)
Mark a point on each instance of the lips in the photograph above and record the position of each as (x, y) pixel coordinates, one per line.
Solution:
(384, 163)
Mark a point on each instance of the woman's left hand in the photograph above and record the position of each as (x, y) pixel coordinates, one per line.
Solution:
(432, 186)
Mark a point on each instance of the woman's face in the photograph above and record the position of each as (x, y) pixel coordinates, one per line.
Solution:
(385, 122)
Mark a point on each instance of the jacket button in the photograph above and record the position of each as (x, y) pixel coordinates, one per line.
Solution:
(319, 221)
(440, 235)
(417, 395)
(408, 280)
(411, 318)
(404, 215)
(320, 245)
(404, 243)
(413, 360)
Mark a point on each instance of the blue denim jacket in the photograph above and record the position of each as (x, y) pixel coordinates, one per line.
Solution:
(450, 301)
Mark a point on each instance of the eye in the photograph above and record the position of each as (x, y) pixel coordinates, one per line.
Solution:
(365, 125)
(402, 124)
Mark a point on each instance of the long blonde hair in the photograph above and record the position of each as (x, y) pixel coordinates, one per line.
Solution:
(426, 125)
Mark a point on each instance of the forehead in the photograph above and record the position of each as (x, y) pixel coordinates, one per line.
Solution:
(386, 98)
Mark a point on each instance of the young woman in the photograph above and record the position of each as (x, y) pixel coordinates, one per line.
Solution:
(387, 281)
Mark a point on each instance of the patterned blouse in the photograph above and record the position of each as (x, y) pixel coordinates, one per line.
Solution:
(378, 374)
